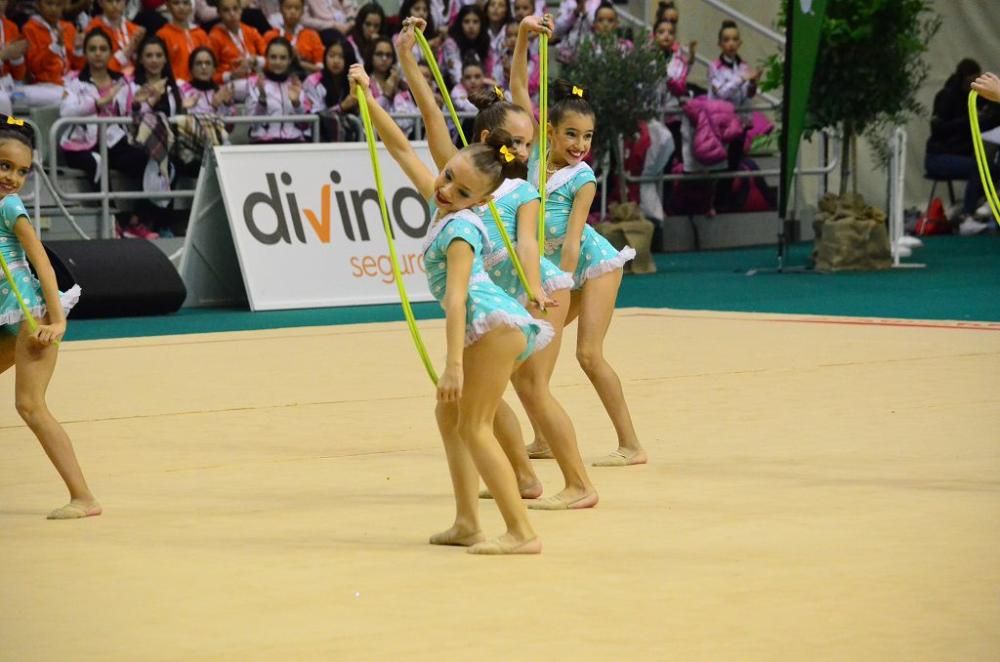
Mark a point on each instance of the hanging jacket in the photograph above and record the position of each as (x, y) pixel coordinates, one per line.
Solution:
(716, 124)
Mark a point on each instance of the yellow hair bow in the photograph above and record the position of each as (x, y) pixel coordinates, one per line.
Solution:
(14, 121)
(499, 92)
(507, 155)
(578, 91)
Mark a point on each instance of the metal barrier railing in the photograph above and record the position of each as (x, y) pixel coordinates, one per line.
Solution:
(827, 168)
(105, 195)
(419, 121)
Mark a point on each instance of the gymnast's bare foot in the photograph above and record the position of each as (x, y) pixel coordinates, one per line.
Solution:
(539, 450)
(507, 544)
(77, 509)
(568, 499)
(458, 537)
(531, 490)
(622, 457)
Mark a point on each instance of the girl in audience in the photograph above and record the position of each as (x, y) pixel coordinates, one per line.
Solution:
(734, 80)
(473, 80)
(53, 51)
(384, 72)
(667, 10)
(33, 352)
(497, 17)
(125, 35)
(181, 37)
(367, 28)
(421, 9)
(404, 103)
(328, 93)
(306, 41)
(204, 101)
(521, 9)
(466, 38)
(202, 95)
(330, 17)
(278, 92)
(677, 65)
(155, 94)
(12, 49)
(98, 91)
(154, 88)
(238, 47)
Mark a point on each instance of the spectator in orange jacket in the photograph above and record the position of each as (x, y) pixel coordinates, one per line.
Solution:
(181, 38)
(238, 48)
(12, 67)
(54, 49)
(125, 35)
(305, 41)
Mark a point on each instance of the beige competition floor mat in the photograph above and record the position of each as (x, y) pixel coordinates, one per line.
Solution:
(819, 489)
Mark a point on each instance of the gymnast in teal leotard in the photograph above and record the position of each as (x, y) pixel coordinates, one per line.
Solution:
(517, 203)
(573, 245)
(483, 348)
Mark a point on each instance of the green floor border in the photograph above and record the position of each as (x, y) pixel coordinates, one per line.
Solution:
(961, 282)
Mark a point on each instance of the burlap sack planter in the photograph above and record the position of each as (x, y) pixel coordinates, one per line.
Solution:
(850, 236)
(627, 227)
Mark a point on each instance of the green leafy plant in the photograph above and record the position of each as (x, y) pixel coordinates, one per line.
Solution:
(871, 65)
(621, 84)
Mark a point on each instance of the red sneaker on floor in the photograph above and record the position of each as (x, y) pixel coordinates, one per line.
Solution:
(139, 231)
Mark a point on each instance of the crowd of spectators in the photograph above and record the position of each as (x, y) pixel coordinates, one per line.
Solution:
(179, 68)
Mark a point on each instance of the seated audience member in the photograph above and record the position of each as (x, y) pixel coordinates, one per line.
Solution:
(277, 91)
(497, 17)
(735, 81)
(420, 9)
(54, 49)
(180, 37)
(98, 91)
(155, 95)
(202, 95)
(306, 41)
(125, 35)
(330, 17)
(467, 37)
(238, 48)
(12, 64)
(384, 73)
(204, 101)
(949, 153)
(328, 94)
(368, 25)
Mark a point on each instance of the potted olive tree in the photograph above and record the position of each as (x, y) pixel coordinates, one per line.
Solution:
(868, 72)
(621, 81)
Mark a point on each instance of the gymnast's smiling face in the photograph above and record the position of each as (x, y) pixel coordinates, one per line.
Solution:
(460, 185)
(15, 165)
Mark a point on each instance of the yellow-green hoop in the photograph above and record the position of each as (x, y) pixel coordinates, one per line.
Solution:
(404, 299)
(425, 48)
(980, 149)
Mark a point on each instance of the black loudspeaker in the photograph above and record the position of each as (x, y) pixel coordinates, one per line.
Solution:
(119, 277)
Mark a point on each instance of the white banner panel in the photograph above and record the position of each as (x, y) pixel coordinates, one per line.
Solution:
(305, 220)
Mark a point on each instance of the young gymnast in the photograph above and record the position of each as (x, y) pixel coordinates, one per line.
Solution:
(575, 246)
(33, 352)
(488, 332)
(517, 203)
